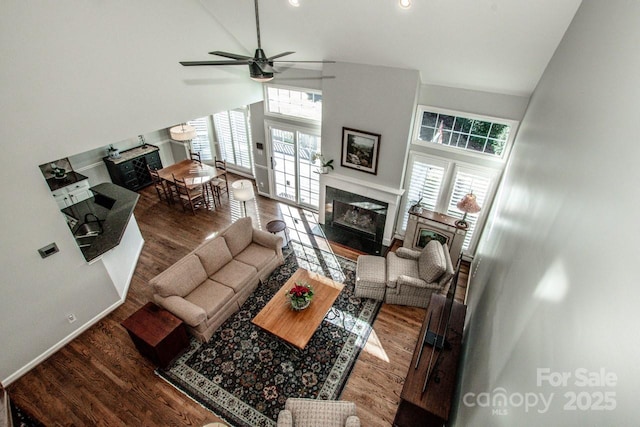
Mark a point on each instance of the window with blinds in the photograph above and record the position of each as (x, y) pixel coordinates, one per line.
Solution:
(469, 181)
(442, 184)
(202, 143)
(233, 138)
(427, 176)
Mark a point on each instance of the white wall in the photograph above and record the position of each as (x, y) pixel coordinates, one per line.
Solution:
(371, 99)
(78, 76)
(554, 283)
(472, 101)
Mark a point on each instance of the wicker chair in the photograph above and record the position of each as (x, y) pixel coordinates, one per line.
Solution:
(310, 412)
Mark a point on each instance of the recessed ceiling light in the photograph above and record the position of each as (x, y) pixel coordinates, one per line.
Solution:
(294, 3)
(405, 4)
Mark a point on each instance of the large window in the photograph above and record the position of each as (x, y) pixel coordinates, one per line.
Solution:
(289, 102)
(232, 134)
(202, 143)
(456, 153)
(460, 131)
(440, 184)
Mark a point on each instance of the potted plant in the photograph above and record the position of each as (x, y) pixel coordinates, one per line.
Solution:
(300, 295)
(325, 164)
(417, 206)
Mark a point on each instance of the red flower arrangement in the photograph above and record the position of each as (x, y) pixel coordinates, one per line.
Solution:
(300, 295)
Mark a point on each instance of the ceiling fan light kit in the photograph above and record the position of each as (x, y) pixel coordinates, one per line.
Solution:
(260, 65)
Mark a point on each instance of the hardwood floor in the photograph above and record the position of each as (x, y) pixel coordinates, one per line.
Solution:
(101, 379)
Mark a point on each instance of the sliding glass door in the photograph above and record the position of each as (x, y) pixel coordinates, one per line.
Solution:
(293, 175)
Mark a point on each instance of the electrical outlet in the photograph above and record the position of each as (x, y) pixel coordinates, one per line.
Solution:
(71, 317)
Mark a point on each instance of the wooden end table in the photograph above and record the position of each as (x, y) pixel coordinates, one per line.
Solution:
(297, 327)
(157, 334)
(275, 227)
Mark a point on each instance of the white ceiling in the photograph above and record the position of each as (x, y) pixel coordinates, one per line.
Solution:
(500, 46)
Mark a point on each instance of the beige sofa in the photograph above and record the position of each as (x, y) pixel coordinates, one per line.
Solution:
(211, 283)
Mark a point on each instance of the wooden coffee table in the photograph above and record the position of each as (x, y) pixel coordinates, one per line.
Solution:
(297, 327)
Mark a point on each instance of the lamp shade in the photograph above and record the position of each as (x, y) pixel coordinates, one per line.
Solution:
(468, 204)
(242, 190)
(182, 132)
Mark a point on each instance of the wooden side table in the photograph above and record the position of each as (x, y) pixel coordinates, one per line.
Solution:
(157, 334)
(276, 226)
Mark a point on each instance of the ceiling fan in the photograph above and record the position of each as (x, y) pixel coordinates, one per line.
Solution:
(260, 65)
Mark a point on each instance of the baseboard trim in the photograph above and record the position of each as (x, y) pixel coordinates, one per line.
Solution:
(52, 350)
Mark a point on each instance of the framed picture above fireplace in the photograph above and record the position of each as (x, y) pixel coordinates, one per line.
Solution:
(360, 150)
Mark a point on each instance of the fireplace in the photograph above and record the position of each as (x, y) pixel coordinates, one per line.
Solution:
(364, 195)
(354, 220)
(360, 217)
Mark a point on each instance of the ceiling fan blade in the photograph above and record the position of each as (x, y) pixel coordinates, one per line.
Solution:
(280, 55)
(229, 55)
(191, 63)
(309, 62)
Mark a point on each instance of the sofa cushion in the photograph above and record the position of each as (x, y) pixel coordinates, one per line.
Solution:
(214, 254)
(211, 296)
(181, 278)
(236, 275)
(432, 262)
(256, 255)
(238, 235)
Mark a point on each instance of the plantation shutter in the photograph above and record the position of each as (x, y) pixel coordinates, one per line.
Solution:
(427, 176)
(233, 137)
(465, 181)
(202, 143)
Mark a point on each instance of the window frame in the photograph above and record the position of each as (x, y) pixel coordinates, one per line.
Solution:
(269, 113)
(247, 129)
(447, 187)
(208, 122)
(513, 124)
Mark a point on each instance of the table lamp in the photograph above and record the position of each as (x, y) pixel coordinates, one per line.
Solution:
(467, 204)
(242, 192)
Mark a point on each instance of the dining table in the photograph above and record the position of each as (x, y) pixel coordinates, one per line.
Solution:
(194, 174)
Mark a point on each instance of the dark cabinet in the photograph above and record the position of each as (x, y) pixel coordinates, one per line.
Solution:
(130, 169)
(425, 400)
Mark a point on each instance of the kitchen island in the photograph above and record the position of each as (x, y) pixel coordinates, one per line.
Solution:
(106, 215)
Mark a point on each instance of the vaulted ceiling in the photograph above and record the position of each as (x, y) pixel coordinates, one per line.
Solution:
(500, 46)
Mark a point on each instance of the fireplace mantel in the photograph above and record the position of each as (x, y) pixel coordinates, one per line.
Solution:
(389, 195)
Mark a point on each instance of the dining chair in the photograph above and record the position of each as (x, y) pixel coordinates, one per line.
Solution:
(195, 156)
(220, 184)
(192, 197)
(164, 192)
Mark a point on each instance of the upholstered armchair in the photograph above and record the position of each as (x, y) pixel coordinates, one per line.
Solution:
(299, 412)
(412, 276)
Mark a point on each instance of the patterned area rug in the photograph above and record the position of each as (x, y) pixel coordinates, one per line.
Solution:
(244, 374)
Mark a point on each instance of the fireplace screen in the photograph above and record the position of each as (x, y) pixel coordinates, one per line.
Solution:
(426, 235)
(359, 216)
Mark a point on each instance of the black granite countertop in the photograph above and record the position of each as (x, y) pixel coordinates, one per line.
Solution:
(113, 206)
(70, 178)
